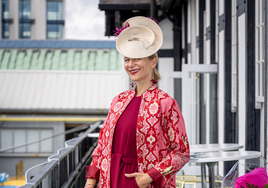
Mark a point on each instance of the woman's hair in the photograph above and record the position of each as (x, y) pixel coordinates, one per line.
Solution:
(156, 74)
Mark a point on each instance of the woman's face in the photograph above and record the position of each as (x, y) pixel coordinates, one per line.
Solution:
(139, 69)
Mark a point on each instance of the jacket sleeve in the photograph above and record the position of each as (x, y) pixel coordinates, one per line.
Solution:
(179, 151)
(93, 170)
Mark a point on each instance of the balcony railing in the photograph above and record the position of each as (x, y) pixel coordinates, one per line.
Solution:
(66, 169)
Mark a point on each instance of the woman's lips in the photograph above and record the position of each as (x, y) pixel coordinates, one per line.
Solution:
(134, 71)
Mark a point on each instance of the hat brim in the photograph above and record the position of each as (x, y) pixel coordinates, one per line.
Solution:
(145, 30)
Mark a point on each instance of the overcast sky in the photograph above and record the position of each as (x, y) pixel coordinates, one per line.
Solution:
(84, 20)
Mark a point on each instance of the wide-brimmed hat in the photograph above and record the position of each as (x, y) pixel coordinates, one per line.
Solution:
(140, 37)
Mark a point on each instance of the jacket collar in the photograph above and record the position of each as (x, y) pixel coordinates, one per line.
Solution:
(148, 93)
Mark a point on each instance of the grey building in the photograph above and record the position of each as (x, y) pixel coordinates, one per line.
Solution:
(27, 19)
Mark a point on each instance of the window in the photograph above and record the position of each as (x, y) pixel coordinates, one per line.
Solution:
(25, 19)
(54, 20)
(259, 50)
(234, 55)
(5, 21)
(15, 137)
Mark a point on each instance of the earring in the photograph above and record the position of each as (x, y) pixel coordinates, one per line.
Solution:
(154, 81)
(133, 84)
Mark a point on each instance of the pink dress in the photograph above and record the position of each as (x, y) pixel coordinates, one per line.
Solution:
(124, 152)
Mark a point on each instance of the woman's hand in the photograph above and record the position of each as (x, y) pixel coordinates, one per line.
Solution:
(142, 179)
(90, 183)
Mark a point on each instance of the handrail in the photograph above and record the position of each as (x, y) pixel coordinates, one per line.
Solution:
(65, 168)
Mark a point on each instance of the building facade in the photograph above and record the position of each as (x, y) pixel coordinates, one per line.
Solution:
(27, 19)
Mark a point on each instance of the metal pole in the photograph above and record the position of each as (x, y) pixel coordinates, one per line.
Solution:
(211, 174)
(203, 175)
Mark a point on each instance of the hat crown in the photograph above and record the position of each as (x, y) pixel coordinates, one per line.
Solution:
(141, 39)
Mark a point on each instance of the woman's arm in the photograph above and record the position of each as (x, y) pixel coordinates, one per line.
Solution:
(93, 170)
(179, 155)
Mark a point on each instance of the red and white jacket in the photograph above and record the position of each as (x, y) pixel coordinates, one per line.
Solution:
(162, 143)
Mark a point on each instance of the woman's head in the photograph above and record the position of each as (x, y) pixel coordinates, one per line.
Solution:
(138, 41)
(142, 69)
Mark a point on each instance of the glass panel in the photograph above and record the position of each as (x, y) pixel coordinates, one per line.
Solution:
(5, 9)
(84, 60)
(46, 145)
(56, 59)
(99, 60)
(33, 135)
(5, 30)
(25, 9)
(70, 59)
(5, 60)
(54, 10)
(41, 60)
(13, 57)
(27, 59)
(20, 59)
(76, 62)
(105, 62)
(91, 61)
(48, 57)
(19, 138)
(6, 139)
(25, 30)
(54, 31)
(34, 64)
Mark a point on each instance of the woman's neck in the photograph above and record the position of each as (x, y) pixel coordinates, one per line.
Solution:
(142, 87)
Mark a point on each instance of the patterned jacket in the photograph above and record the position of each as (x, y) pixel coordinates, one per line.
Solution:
(162, 143)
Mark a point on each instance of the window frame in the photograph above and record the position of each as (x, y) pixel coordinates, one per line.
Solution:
(24, 22)
(57, 23)
(27, 138)
(5, 20)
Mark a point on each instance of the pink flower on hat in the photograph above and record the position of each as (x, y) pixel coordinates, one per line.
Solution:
(119, 30)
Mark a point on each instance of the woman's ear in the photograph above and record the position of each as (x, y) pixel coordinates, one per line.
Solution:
(154, 62)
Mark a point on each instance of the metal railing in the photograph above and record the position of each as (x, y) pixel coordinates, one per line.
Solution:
(66, 169)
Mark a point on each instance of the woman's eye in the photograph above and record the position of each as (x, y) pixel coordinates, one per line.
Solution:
(126, 60)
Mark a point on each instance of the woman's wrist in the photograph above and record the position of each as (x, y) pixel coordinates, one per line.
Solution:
(90, 183)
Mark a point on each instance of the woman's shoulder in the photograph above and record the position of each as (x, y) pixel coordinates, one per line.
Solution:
(164, 97)
(123, 95)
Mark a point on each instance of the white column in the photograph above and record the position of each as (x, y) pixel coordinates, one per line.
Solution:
(38, 13)
(14, 14)
(221, 79)
(241, 42)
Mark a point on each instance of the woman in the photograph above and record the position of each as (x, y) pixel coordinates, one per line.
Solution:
(143, 142)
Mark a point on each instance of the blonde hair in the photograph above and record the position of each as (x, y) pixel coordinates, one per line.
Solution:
(156, 74)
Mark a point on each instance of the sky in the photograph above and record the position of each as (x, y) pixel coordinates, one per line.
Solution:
(84, 20)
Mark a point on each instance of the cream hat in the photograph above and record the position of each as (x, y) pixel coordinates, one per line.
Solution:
(141, 37)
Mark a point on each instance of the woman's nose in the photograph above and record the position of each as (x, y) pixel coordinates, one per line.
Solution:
(131, 63)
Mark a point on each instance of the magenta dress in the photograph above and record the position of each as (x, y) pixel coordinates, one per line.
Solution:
(124, 151)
